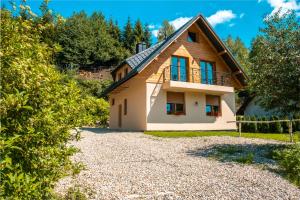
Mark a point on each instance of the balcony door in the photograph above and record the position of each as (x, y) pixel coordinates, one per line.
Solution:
(207, 72)
(178, 69)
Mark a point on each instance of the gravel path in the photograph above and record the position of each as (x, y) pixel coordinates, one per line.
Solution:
(137, 166)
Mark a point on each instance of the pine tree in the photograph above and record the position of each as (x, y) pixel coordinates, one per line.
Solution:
(114, 30)
(165, 30)
(128, 37)
(147, 35)
(239, 51)
(138, 32)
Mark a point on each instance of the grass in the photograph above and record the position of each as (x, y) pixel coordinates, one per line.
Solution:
(178, 134)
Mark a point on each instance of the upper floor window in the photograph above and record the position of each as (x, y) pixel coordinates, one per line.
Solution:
(126, 71)
(119, 76)
(113, 102)
(192, 37)
(213, 107)
(175, 103)
(207, 72)
(178, 68)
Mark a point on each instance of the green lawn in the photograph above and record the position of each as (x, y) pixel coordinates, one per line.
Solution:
(178, 134)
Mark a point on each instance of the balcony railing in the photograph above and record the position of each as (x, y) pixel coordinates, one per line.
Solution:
(194, 75)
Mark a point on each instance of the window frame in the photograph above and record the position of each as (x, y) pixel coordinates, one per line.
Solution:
(214, 69)
(126, 71)
(174, 106)
(212, 113)
(179, 68)
(125, 106)
(189, 39)
(113, 101)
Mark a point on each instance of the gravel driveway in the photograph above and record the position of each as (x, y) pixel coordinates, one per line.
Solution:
(137, 166)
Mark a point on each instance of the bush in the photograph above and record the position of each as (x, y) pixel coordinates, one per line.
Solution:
(265, 126)
(38, 107)
(93, 87)
(253, 126)
(289, 162)
(97, 111)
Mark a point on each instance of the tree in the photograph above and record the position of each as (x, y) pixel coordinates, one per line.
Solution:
(38, 108)
(165, 30)
(128, 37)
(239, 51)
(138, 32)
(87, 41)
(275, 55)
(147, 35)
(114, 30)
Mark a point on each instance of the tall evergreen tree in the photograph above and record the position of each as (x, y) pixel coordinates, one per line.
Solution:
(275, 56)
(239, 51)
(147, 35)
(114, 30)
(128, 37)
(165, 30)
(138, 32)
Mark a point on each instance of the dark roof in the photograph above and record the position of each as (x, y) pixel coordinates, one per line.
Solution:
(136, 59)
(139, 61)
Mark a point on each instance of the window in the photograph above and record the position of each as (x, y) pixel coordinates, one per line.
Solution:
(192, 37)
(213, 105)
(207, 72)
(125, 106)
(126, 71)
(113, 102)
(175, 103)
(178, 68)
(119, 76)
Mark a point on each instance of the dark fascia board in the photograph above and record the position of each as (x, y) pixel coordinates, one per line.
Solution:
(217, 38)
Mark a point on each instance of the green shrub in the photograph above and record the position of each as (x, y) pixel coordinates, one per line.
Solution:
(38, 107)
(289, 162)
(93, 87)
(253, 126)
(265, 126)
(97, 111)
(272, 126)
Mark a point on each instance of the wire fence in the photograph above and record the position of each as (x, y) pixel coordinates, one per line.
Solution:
(288, 121)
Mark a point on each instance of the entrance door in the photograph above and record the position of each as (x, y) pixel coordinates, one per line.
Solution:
(120, 116)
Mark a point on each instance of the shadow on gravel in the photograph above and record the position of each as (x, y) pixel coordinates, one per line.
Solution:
(239, 153)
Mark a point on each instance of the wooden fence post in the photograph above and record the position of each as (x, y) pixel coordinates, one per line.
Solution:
(291, 131)
(240, 129)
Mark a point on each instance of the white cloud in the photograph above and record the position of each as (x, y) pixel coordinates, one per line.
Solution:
(231, 25)
(177, 23)
(220, 17)
(151, 26)
(242, 15)
(154, 32)
(284, 5)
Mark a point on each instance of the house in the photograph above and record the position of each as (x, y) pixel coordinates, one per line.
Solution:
(251, 107)
(185, 82)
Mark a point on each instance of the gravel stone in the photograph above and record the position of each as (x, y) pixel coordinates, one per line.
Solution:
(131, 165)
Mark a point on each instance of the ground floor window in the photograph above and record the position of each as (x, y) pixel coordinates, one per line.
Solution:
(175, 103)
(213, 107)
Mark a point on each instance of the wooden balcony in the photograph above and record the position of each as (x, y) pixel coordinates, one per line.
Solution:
(212, 82)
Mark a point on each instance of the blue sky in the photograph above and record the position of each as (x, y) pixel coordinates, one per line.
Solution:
(236, 17)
